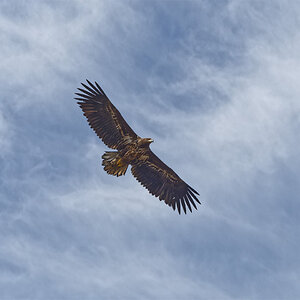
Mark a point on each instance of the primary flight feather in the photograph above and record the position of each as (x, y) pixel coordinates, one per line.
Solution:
(160, 180)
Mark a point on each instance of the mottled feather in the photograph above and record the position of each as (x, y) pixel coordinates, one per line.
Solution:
(161, 181)
(104, 118)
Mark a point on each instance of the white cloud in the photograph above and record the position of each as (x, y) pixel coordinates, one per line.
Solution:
(5, 135)
(68, 227)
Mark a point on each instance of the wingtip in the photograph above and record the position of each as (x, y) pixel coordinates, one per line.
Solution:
(193, 190)
(91, 85)
(178, 207)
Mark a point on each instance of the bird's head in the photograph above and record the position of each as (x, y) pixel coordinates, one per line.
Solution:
(149, 140)
(145, 142)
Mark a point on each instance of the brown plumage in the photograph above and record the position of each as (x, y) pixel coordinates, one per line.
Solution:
(160, 180)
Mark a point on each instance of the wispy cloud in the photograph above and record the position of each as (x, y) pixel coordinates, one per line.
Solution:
(216, 85)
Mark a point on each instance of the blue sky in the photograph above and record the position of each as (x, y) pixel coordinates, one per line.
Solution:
(216, 85)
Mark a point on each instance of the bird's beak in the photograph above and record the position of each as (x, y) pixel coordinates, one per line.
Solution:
(151, 141)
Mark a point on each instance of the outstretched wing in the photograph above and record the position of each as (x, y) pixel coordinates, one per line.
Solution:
(103, 117)
(161, 181)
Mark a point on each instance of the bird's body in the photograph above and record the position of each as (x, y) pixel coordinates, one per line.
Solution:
(116, 162)
(146, 167)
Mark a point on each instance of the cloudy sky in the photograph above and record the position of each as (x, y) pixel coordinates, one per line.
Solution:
(215, 84)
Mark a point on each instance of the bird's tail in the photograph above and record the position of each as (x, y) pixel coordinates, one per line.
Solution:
(113, 163)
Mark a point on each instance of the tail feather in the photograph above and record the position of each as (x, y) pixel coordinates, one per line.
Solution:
(113, 163)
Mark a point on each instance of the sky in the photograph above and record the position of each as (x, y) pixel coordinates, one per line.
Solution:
(215, 84)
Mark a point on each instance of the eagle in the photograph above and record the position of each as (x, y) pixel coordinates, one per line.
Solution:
(109, 125)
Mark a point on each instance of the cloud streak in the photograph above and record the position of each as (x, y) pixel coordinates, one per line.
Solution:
(218, 92)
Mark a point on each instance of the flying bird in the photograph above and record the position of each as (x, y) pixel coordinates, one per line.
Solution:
(109, 125)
